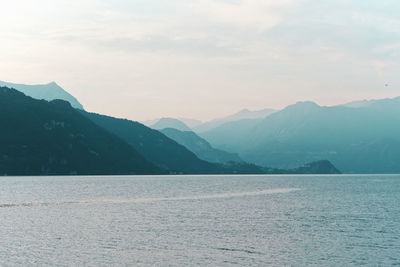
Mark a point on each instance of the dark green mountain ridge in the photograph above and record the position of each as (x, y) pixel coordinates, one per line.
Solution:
(52, 138)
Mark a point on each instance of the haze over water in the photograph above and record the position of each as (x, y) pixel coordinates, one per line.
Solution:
(200, 220)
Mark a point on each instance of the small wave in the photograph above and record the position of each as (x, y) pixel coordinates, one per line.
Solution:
(378, 180)
(146, 200)
(33, 204)
(240, 250)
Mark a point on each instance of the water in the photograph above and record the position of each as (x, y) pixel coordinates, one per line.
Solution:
(200, 220)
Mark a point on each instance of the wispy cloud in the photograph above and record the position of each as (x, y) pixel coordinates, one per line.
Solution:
(223, 54)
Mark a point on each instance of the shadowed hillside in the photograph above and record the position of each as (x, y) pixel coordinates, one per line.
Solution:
(199, 146)
(52, 138)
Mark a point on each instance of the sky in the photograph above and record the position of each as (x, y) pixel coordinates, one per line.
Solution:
(202, 59)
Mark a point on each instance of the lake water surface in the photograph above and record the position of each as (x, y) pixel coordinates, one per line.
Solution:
(200, 220)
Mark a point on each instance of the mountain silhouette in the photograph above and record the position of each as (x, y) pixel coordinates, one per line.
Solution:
(52, 138)
(50, 91)
(356, 139)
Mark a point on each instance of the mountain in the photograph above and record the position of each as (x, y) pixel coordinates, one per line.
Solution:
(316, 167)
(50, 91)
(226, 135)
(199, 146)
(155, 146)
(243, 114)
(191, 123)
(170, 123)
(358, 104)
(375, 103)
(168, 154)
(148, 123)
(52, 138)
(355, 139)
(185, 124)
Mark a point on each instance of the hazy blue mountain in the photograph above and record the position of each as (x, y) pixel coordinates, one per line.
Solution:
(223, 136)
(191, 123)
(358, 104)
(243, 114)
(355, 139)
(170, 123)
(148, 123)
(52, 138)
(386, 103)
(199, 146)
(50, 91)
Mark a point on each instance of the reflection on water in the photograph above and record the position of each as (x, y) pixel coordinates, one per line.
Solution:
(143, 200)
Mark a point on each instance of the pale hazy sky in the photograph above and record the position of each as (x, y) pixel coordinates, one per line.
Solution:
(143, 59)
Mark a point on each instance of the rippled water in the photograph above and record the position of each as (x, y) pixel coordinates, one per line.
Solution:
(200, 220)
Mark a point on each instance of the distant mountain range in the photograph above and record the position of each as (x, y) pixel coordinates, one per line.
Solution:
(243, 114)
(52, 138)
(362, 103)
(357, 138)
(185, 124)
(50, 91)
(176, 158)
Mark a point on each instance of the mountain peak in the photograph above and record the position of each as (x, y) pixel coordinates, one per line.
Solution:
(302, 106)
(170, 123)
(50, 91)
(307, 104)
(53, 84)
